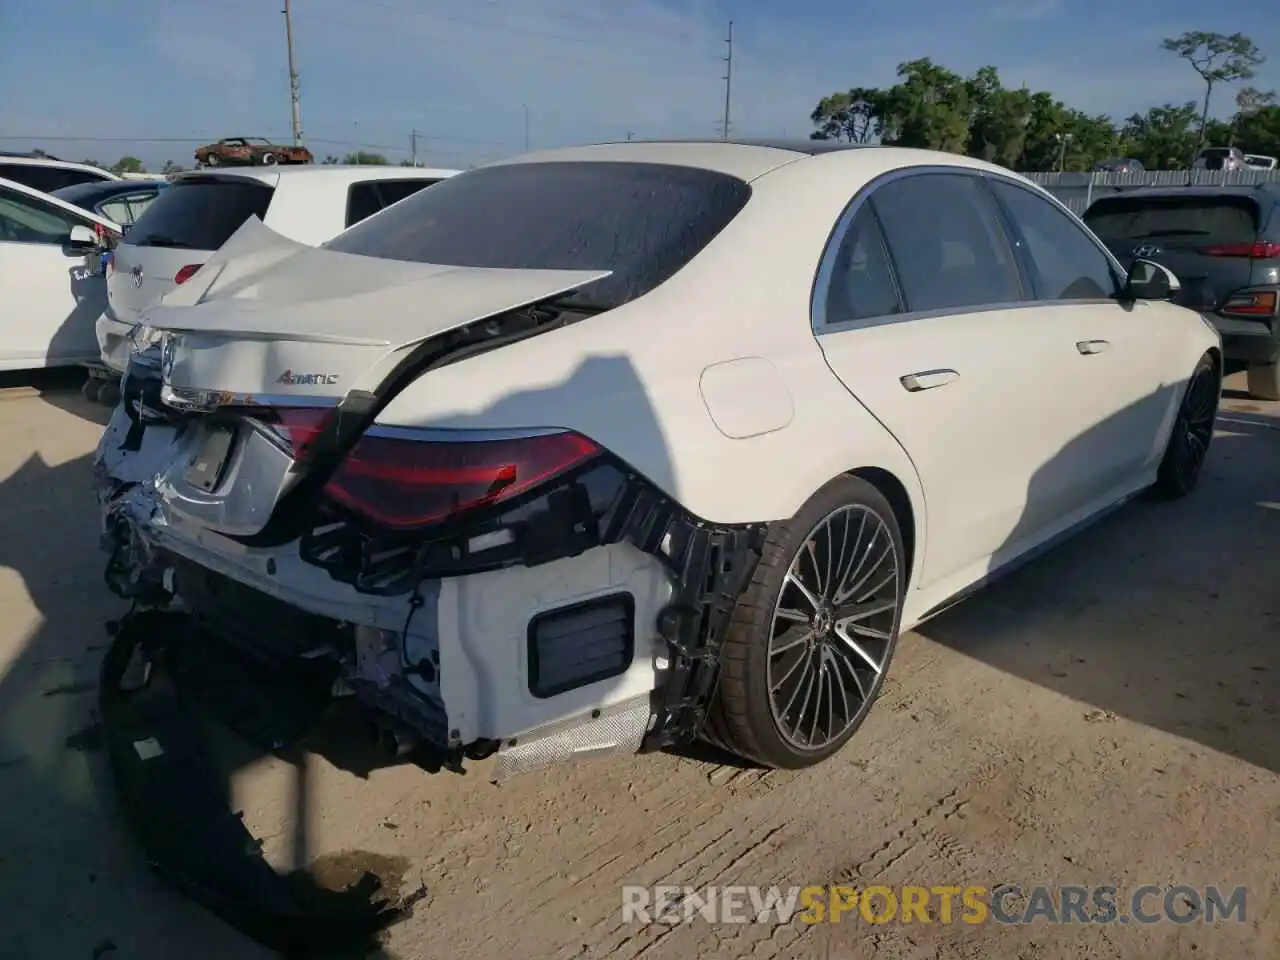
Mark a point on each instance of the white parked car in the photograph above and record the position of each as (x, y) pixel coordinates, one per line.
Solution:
(602, 448)
(200, 209)
(48, 173)
(51, 286)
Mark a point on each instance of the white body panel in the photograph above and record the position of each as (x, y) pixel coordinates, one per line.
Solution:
(309, 206)
(50, 297)
(714, 387)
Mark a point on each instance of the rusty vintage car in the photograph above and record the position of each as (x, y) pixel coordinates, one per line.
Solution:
(249, 151)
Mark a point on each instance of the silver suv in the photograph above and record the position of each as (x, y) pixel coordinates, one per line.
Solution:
(1220, 158)
(1223, 244)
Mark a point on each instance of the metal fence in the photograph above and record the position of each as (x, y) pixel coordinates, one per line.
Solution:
(1078, 190)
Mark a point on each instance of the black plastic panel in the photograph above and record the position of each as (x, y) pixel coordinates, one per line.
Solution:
(584, 643)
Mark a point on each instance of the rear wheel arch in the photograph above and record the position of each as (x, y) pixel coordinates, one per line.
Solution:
(893, 490)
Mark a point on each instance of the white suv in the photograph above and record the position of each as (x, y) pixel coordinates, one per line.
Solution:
(48, 174)
(200, 210)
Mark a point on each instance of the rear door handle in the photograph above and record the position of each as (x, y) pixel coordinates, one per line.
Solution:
(927, 379)
(1088, 347)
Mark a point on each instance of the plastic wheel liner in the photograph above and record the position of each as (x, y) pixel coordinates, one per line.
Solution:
(171, 789)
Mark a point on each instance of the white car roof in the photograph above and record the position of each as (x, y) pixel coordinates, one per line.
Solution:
(751, 159)
(321, 173)
(59, 202)
(57, 164)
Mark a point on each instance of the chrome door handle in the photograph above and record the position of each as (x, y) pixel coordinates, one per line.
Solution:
(1088, 347)
(927, 379)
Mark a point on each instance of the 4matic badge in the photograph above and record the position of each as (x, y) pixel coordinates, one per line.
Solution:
(297, 379)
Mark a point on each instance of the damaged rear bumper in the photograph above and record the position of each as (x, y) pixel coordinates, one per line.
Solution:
(603, 647)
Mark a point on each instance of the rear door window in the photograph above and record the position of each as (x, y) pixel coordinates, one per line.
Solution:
(366, 198)
(946, 242)
(1064, 262)
(861, 285)
(200, 213)
(642, 221)
(1201, 220)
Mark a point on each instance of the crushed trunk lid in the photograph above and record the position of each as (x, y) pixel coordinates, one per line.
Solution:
(269, 316)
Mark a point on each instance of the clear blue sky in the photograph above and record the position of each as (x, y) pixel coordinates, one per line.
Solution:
(459, 71)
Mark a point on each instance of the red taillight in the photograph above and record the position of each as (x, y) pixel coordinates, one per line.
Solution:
(402, 484)
(1260, 250)
(186, 273)
(298, 425)
(1250, 303)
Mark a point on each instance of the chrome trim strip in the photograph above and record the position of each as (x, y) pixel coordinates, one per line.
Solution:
(459, 434)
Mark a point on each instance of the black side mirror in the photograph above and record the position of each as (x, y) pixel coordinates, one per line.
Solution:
(1148, 280)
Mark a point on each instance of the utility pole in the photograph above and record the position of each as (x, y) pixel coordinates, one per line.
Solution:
(294, 95)
(728, 81)
(413, 148)
(525, 107)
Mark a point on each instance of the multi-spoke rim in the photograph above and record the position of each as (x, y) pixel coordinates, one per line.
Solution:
(832, 627)
(1195, 424)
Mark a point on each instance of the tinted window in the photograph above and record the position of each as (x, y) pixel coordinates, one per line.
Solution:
(1065, 263)
(25, 219)
(1204, 219)
(861, 284)
(643, 221)
(200, 213)
(47, 179)
(945, 242)
(366, 198)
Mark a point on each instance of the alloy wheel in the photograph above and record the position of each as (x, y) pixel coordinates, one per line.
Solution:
(1194, 428)
(833, 627)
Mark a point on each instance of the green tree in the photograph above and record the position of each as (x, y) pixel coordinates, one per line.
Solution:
(999, 119)
(1217, 58)
(363, 158)
(928, 108)
(330, 161)
(1259, 131)
(853, 115)
(128, 165)
(1163, 138)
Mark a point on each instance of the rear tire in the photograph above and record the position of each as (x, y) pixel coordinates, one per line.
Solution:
(213, 160)
(1264, 380)
(268, 159)
(788, 702)
(1192, 433)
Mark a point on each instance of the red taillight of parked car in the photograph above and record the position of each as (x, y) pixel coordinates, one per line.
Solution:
(403, 484)
(186, 273)
(1258, 250)
(1250, 303)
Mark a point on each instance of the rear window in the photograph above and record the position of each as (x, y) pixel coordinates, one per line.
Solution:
(367, 197)
(200, 213)
(1203, 219)
(643, 221)
(1216, 153)
(47, 179)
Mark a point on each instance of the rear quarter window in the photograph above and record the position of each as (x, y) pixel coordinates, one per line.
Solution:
(642, 221)
(200, 213)
(367, 197)
(1207, 220)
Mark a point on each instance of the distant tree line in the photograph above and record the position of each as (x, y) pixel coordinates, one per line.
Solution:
(934, 108)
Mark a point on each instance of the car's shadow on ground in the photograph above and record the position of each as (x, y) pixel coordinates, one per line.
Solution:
(1167, 614)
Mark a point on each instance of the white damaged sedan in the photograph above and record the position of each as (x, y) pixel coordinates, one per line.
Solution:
(604, 448)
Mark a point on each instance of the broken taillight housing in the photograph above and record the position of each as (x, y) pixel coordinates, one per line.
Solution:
(402, 483)
(297, 426)
(186, 273)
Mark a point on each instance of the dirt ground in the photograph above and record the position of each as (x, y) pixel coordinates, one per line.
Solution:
(1108, 715)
